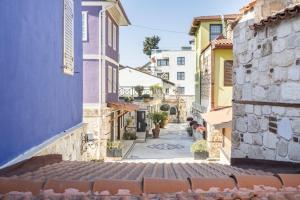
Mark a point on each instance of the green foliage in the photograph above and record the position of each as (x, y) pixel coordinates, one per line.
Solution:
(128, 99)
(165, 107)
(114, 145)
(199, 146)
(165, 116)
(150, 43)
(129, 136)
(146, 96)
(157, 117)
(139, 89)
(156, 89)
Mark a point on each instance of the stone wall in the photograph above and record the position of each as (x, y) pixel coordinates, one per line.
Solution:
(265, 8)
(267, 70)
(70, 145)
(206, 80)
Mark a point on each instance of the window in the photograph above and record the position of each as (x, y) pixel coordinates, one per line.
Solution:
(181, 61)
(228, 64)
(109, 24)
(167, 91)
(180, 76)
(163, 62)
(68, 37)
(215, 30)
(84, 26)
(109, 79)
(165, 76)
(114, 37)
(114, 81)
(180, 90)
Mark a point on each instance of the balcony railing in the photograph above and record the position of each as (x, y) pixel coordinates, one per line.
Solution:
(128, 91)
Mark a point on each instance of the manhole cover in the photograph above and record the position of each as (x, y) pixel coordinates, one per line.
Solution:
(165, 146)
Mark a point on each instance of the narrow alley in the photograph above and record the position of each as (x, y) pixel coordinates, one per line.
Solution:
(173, 145)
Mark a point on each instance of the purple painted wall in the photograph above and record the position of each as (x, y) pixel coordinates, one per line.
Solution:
(91, 46)
(91, 81)
(110, 52)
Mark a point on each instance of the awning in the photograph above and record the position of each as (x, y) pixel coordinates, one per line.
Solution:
(219, 118)
(129, 107)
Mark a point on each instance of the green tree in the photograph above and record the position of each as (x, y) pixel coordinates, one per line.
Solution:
(151, 43)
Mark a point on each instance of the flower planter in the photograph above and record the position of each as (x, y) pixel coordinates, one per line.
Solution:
(114, 153)
(201, 155)
(156, 131)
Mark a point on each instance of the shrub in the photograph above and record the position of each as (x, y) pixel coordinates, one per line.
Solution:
(157, 117)
(146, 96)
(129, 136)
(114, 145)
(139, 89)
(156, 89)
(199, 146)
(173, 111)
(165, 107)
(128, 99)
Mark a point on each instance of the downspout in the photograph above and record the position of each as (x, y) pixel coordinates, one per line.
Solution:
(224, 29)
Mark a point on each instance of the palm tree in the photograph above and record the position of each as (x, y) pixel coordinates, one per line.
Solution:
(151, 43)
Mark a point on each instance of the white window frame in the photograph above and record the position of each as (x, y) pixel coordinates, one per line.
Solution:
(109, 79)
(68, 53)
(114, 37)
(114, 80)
(84, 26)
(109, 31)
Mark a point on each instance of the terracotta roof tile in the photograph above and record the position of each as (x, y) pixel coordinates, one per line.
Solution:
(290, 180)
(250, 181)
(287, 13)
(62, 186)
(248, 7)
(205, 184)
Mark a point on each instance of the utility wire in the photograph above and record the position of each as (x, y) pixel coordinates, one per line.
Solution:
(157, 29)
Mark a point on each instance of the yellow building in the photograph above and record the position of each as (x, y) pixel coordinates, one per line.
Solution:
(213, 40)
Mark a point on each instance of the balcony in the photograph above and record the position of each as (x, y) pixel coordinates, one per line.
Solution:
(134, 94)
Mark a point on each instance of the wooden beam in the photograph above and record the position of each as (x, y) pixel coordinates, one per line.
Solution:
(265, 103)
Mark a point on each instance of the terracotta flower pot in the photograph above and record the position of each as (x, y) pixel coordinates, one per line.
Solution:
(156, 131)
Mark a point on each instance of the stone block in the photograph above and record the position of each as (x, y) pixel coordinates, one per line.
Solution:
(282, 148)
(263, 79)
(259, 93)
(245, 57)
(266, 48)
(283, 59)
(248, 138)
(279, 75)
(237, 153)
(293, 41)
(284, 29)
(240, 75)
(279, 45)
(255, 152)
(290, 91)
(296, 24)
(266, 110)
(241, 124)
(257, 139)
(270, 140)
(239, 110)
(294, 73)
(264, 124)
(278, 110)
(249, 108)
(292, 112)
(247, 92)
(264, 63)
(296, 125)
(285, 128)
(294, 149)
(269, 154)
(253, 124)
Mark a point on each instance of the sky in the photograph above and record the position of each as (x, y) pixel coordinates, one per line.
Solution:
(170, 15)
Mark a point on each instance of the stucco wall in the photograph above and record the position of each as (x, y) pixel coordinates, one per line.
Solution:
(91, 87)
(38, 100)
(223, 94)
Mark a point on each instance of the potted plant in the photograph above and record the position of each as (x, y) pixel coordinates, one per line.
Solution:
(164, 121)
(129, 135)
(156, 118)
(146, 97)
(156, 89)
(199, 149)
(189, 119)
(165, 107)
(139, 89)
(114, 149)
(189, 130)
(128, 99)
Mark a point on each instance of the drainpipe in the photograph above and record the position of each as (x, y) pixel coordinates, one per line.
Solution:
(224, 26)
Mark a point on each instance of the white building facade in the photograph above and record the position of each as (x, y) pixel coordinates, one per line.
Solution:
(179, 67)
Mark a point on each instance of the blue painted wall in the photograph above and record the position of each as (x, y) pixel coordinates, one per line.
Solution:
(37, 99)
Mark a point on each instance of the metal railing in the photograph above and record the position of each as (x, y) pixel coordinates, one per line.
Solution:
(129, 91)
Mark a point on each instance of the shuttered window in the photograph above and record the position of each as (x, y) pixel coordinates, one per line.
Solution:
(109, 24)
(84, 26)
(114, 81)
(109, 79)
(228, 64)
(69, 37)
(115, 37)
